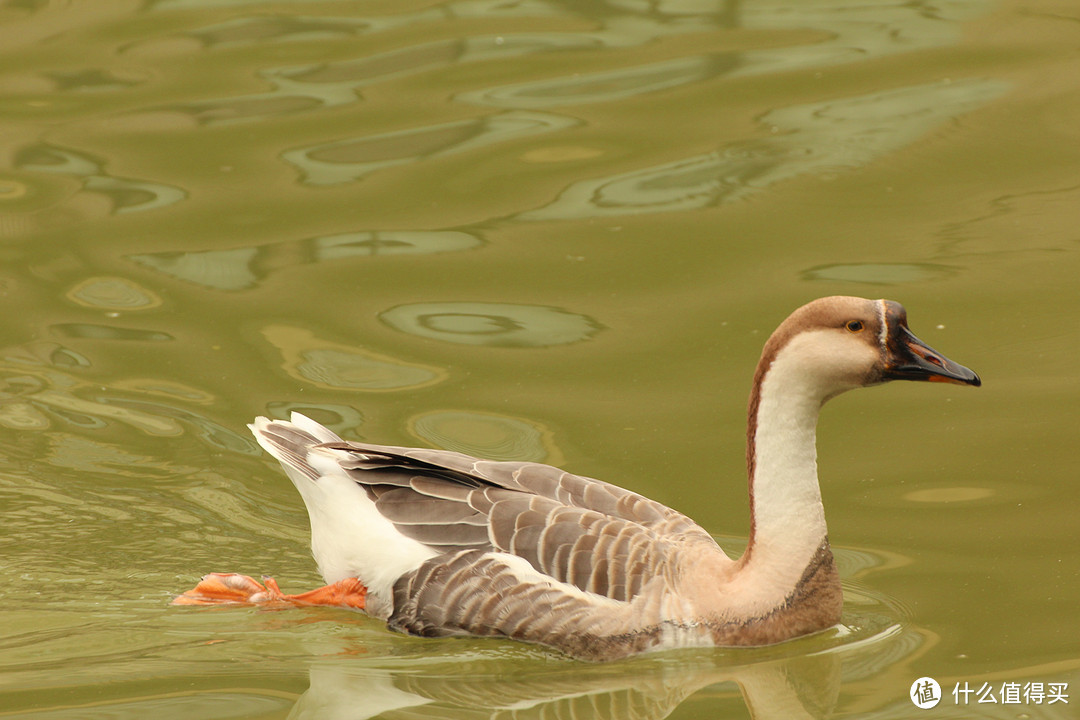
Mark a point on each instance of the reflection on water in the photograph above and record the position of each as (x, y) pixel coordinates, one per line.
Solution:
(950, 495)
(107, 332)
(164, 388)
(217, 269)
(243, 268)
(92, 80)
(260, 29)
(600, 87)
(855, 31)
(646, 690)
(308, 87)
(879, 273)
(35, 393)
(113, 293)
(219, 705)
(347, 160)
(336, 366)
(486, 435)
(817, 138)
(126, 195)
(495, 324)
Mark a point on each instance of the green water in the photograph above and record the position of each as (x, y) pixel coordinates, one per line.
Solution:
(542, 230)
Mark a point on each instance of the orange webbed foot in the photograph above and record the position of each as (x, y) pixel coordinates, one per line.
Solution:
(236, 589)
(350, 593)
(230, 589)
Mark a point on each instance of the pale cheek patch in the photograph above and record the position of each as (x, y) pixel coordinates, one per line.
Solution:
(822, 363)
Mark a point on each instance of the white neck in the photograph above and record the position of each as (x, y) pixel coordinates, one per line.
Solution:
(788, 518)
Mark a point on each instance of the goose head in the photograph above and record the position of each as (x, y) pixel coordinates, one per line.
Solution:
(838, 343)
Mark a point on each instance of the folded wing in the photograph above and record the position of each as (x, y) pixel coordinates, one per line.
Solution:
(595, 536)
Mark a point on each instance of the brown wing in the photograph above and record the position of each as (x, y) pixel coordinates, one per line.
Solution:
(479, 593)
(593, 535)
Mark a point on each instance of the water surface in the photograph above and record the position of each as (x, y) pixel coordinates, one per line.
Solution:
(538, 230)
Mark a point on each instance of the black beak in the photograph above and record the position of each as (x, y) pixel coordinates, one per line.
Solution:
(909, 358)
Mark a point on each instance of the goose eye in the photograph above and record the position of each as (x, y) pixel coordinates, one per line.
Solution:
(854, 326)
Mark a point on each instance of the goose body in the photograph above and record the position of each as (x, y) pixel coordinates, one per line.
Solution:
(438, 543)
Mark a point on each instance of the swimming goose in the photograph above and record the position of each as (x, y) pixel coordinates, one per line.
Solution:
(438, 543)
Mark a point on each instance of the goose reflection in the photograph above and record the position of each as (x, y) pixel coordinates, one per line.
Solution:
(791, 689)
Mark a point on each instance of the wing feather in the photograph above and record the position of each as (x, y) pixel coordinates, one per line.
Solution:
(598, 537)
(405, 506)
